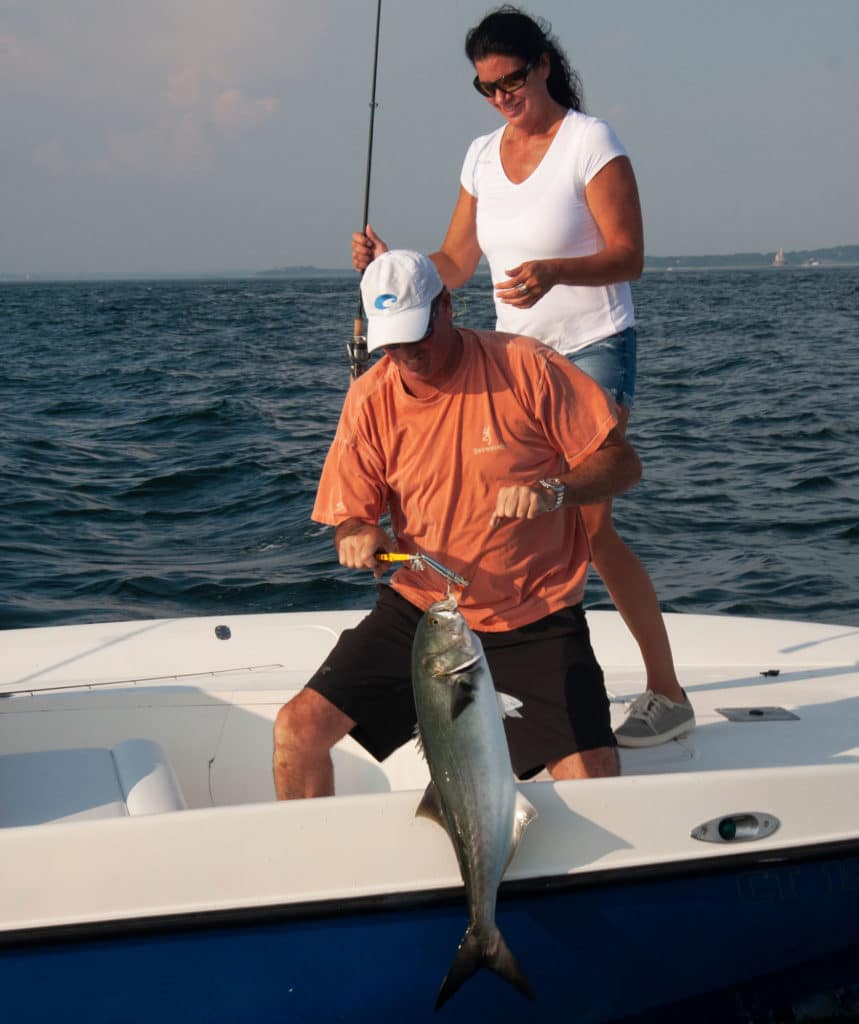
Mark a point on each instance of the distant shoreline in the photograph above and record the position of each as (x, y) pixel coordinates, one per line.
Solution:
(834, 256)
(800, 259)
(659, 268)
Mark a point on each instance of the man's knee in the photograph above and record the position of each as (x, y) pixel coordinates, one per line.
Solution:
(599, 763)
(309, 723)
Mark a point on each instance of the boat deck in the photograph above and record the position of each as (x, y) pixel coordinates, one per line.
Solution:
(144, 750)
(766, 694)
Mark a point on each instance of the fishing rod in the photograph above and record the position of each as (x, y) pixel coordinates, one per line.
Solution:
(359, 357)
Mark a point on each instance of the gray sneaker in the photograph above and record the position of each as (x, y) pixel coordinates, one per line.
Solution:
(654, 719)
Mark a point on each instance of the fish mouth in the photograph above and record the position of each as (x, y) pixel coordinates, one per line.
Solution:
(446, 604)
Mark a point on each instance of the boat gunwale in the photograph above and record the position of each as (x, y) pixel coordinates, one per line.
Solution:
(386, 902)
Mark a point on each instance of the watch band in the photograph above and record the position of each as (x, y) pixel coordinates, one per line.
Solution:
(555, 485)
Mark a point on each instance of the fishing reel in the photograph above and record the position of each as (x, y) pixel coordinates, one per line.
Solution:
(359, 357)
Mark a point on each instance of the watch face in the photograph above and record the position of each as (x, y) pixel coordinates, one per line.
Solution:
(559, 489)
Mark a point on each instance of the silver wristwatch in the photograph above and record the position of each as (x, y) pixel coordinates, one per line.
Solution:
(552, 483)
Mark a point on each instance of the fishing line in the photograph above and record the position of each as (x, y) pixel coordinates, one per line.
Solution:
(359, 357)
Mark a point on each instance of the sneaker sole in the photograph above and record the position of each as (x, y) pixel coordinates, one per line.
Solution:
(657, 740)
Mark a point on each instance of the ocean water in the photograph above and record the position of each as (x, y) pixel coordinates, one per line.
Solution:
(160, 443)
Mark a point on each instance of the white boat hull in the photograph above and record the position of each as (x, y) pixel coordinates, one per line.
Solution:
(107, 840)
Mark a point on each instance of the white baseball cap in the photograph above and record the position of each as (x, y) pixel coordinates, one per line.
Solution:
(397, 290)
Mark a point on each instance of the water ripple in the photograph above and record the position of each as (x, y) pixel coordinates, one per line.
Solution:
(161, 444)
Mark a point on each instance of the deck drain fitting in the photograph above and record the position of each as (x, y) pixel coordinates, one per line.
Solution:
(742, 827)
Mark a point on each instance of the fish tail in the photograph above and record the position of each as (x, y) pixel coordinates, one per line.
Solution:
(473, 954)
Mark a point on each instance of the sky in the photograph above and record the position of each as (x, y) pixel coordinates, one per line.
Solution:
(186, 136)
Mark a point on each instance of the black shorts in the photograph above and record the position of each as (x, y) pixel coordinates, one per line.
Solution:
(548, 665)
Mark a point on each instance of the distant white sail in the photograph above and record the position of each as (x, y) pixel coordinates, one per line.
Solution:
(778, 259)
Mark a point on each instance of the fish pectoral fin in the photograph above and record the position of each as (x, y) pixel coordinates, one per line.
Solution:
(524, 814)
(461, 695)
(430, 806)
(508, 706)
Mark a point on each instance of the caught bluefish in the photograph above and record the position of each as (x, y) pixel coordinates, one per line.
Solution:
(472, 792)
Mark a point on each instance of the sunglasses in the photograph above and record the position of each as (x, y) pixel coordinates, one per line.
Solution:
(434, 308)
(506, 83)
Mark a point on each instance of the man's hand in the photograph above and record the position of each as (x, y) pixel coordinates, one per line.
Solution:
(612, 469)
(521, 502)
(357, 543)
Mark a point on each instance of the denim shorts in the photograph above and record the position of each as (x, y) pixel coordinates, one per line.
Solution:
(611, 362)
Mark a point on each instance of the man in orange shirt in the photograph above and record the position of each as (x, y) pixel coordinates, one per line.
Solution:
(481, 446)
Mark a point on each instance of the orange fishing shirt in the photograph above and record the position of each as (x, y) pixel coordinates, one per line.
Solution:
(513, 412)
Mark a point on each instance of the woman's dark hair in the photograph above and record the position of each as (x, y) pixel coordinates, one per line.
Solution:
(508, 32)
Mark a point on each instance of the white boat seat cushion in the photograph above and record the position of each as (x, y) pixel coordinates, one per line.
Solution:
(148, 783)
(132, 778)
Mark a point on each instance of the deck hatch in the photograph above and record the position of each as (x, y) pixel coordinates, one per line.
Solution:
(758, 714)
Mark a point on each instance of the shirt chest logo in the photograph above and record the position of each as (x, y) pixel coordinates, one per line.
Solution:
(486, 445)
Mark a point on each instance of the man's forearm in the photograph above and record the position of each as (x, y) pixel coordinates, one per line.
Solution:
(350, 527)
(607, 473)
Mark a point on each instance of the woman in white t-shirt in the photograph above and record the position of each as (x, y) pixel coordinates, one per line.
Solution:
(550, 198)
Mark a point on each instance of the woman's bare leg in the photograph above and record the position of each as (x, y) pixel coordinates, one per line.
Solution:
(633, 594)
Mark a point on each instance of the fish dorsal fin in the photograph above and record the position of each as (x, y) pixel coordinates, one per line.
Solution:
(525, 813)
(508, 706)
(430, 806)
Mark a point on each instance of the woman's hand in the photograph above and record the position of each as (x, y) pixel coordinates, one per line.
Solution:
(528, 283)
(366, 247)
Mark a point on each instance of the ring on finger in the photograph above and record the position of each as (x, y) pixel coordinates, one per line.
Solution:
(522, 288)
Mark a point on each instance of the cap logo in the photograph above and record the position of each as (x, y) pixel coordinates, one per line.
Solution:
(385, 301)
